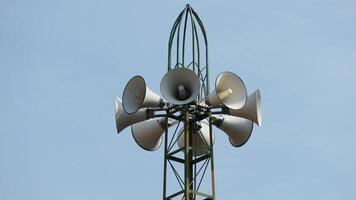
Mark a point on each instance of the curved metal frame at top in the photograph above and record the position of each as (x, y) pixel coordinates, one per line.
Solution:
(195, 63)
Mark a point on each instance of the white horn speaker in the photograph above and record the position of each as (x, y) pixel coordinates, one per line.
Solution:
(137, 95)
(251, 110)
(238, 129)
(124, 119)
(229, 91)
(148, 134)
(180, 86)
(200, 140)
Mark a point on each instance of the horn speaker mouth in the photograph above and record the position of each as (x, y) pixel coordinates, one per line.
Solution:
(243, 143)
(230, 90)
(138, 142)
(180, 86)
(134, 94)
(258, 107)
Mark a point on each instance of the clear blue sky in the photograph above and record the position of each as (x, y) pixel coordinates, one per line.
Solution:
(63, 62)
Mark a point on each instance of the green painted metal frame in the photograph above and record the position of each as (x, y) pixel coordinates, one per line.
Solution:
(197, 56)
(190, 184)
(189, 115)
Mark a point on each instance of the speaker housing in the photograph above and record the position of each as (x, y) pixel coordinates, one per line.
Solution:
(238, 129)
(180, 82)
(137, 95)
(230, 91)
(200, 139)
(124, 119)
(252, 110)
(148, 134)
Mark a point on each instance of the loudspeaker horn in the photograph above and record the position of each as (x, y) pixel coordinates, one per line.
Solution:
(238, 129)
(180, 86)
(229, 91)
(124, 119)
(200, 139)
(251, 110)
(137, 95)
(148, 134)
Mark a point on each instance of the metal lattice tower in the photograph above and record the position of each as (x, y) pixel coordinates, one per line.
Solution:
(188, 48)
(189, 109)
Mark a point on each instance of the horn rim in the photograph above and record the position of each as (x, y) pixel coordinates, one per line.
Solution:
(150, 150)
(259, 107)
(144, 96)
(245, 91)
(248, 138)
(118, 110)
(180, 102)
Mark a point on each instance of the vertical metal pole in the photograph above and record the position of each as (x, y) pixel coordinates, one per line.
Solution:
(165, 160)
(194, 173)
(190, 156)
(211, 156)
(187, 157)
